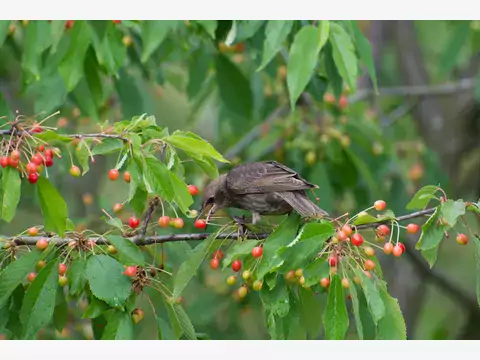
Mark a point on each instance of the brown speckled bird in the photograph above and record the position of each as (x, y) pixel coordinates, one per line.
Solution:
(263, 188)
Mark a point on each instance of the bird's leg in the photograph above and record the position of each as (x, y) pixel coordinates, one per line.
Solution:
(241, 222)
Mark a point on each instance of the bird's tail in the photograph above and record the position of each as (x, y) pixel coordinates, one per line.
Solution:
(302, 204)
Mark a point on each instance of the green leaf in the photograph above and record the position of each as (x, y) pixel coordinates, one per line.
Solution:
(239, 250)
(108, 146)
(14, 273)
(282, 236)
(119, 327)
(53, 207)
(153, 34)
(194, 145)
(115, 222)
(60, 313)
(93, 78)
(189, 268)
(39, 302)
(246, 29)
(335, 317)
(11, 188)
(164, 330)
(209, 25)
(127, 249)
(368, 325)
(365, 51)
(207, 165)
(198, 71)
(308, 243)
(159, 178)
(233, 88)
(422, 197)
(344, 55)
(365, 219)
(276, 300)
(334, 78)
(82, 154)
(356, 311)
(392, 325)
(460, 36)
(303, 57)
(71, 66)
(37, 38)
(310, 312)
(180, 321)
(430, 255)
(451, 210)
(372, 295)
(14, 324)
(4, 26)
(98, 327)
(104, 274)
(182, 196)
(432, 233)
(276, 33)
(95, 308)
(315, 271)
(138, 202)
(49, 93)
(476, 241)
(4, 311)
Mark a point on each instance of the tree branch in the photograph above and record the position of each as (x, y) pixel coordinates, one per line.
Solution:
(77, 136)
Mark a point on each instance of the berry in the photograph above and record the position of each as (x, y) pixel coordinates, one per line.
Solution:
(246, 274)
(42, 244)
(388, 248)
(369, 275)
(412, 228)
(397, 251)
(369, 251)
(113, 174)
(257, 285)
(301, 281)
(15, 155)
(137, 315)
(369, 265)
(343, 102)
(380, 205)
(193, 190)
(112, 249)
(12, 162)
(117, 208)
(41, 264)
(4, 161)
(48, 161)
(126, 176)
(356, 280)
(75, 171)
(33, 231)
(231, 280)
(462, 239)
(62, 281)
(131, 271)
(218, 254)
(329, 98)
(257, 251)
(214, 263)
(117, 21)
(133, 222)
(347, 230)
(31, 276)
(177, 223)
(342, 235)
(345, 283)
(402, 246)
(69, 24)
(299, 272)
(152, 272)
(383, 230)
(236, 265)
(37, 159)
(242, 292)
(357, 239)
(324, 282)
(32, 178)
(62, 269)
(192, 213)
(200, 224)
(163, 221)
(31, 167)
(48, 153)
(290, 276)
(332, 261)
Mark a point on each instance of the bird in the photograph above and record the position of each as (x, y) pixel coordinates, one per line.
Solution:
(262, 188)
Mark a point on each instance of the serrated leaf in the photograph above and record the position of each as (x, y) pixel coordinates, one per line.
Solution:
(153, 34)
(93, 78)
(315, 271)
(238, 251)
(82, 154)
(14, 324)
(368, 325)
(356, 311)
(138, 202)
(422, 197)
(365, 219)
(451, 210)
(432, 233)
(194, 145)
(276, 300)
(310, 312)
(344, 56)
(14, 273)
(95, 308)
(76, 276)
(127, 249)
(39, 302)
(303, 57)
(189, 268)
(158, 176)
(107, 146)
(60, 313)
(53, 207)
(107, 281)
(366, 55)
(198, 71)
(119, 327)
(392, 325)
(51, 136)
(182, 196)
(180, 321)
(4, 311)
(276, 33)
(476, 241)
(333, 76)
(207, 165)
(430, 255)
(11, 191)
(164, 330)
(372, 295)
(335, 318)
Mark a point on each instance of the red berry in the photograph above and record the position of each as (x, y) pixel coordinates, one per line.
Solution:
(48, 161)
(4, 161)
(33, 231)
(397, 251)
(345, 283)
(32, 178)
(332, 261)
(193, 190)
(218, 254)
(62, 269)
(117, 21)
(69, 24)
(200, 224)
(257, 251)
(357, 239)
(12, 162)
(388, 248)
(126, 176)
(342, 235)
(41, 264)
(37, 159)
(131, 271)
(42, 244)
(113, 174)
(412, 228)
(383, 230)
(236, 265)
(133, 222)
(31, 276)
(214, 263)
(75, 171)
(462, 239)
(369, 251)
(324, 282)
(347, 230)
(343, 102)
(329, 98)
(62, 281)
(15, 155)
(177, 223)
(402, 246)
(380, 205)
(163, 221)
(137, 315)
(117, 208)
(369, 265)
(31, 167)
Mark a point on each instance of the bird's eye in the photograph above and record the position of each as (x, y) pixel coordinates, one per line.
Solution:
(210, 200)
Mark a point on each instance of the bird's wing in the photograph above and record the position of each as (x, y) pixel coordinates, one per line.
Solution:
(265, 177)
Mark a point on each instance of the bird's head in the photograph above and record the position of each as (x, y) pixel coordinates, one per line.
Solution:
(214, 196)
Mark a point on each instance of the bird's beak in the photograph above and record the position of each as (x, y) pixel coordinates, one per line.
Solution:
(205, 206)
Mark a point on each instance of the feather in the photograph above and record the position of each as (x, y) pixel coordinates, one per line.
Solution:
(299, 201)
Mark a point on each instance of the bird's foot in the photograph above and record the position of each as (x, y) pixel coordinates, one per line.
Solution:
(242, 222)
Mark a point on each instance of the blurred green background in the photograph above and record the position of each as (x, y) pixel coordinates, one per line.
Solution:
(422, 128)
